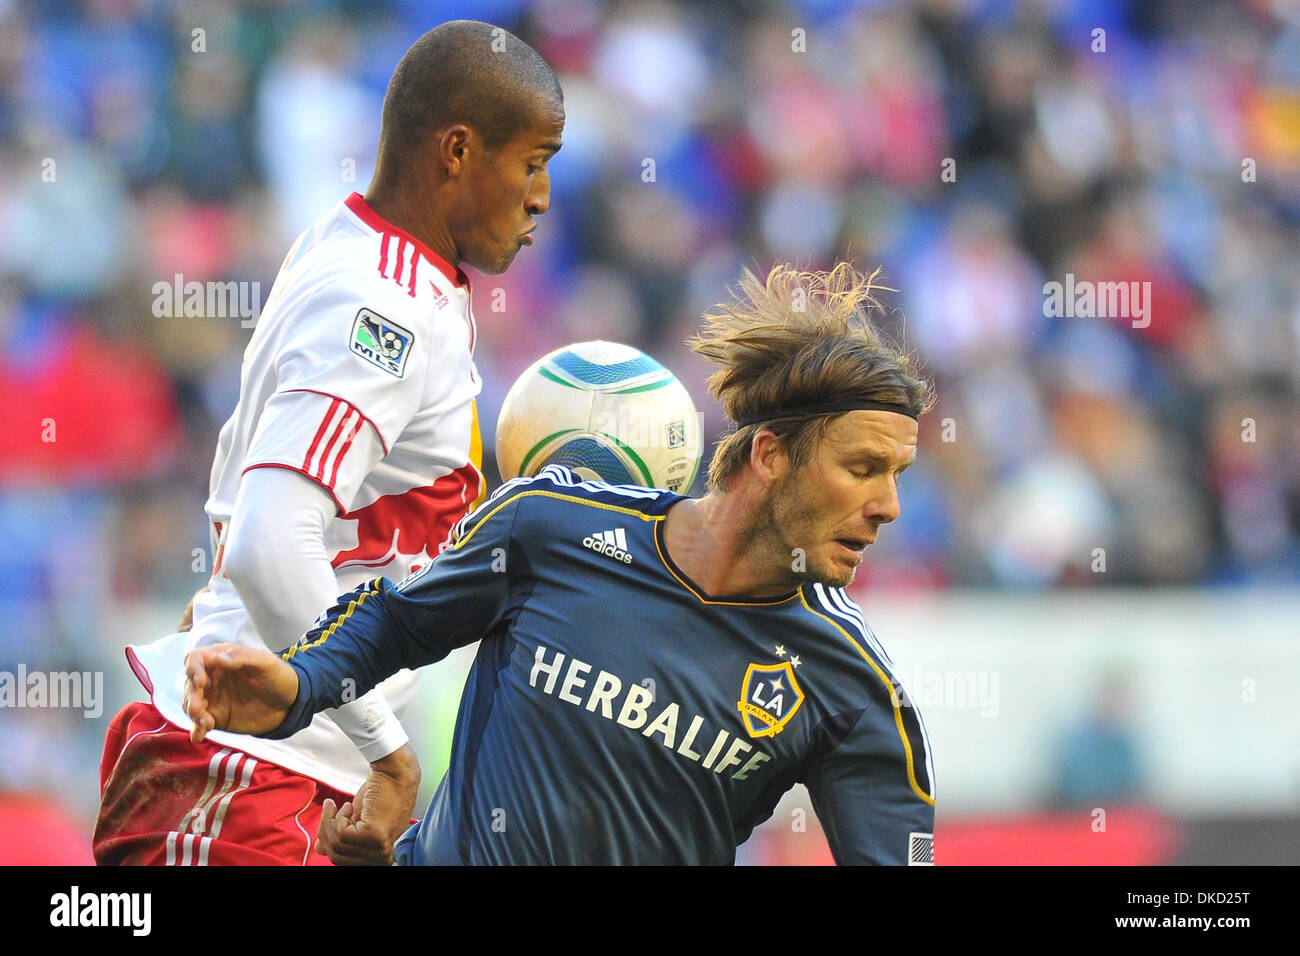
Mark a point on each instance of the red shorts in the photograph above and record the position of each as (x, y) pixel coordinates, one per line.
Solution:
(167, 802)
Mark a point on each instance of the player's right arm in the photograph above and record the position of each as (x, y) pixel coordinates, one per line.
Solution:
(373, 631)
(872, 790)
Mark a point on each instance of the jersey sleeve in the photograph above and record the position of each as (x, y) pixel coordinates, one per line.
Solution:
(350, 376)
(464, 594)
(872, 791)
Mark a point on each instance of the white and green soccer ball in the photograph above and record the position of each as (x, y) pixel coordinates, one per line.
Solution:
(608, 411)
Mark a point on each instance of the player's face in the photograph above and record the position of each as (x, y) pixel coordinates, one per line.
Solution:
(507, 190)
(833, 505)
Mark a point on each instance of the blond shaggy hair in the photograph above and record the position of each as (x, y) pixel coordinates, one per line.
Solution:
(794, 339)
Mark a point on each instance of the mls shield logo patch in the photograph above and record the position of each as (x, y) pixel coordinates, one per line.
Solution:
(381, 342)
(769, 697)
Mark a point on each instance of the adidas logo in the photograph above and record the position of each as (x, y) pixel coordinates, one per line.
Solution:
(612, 544)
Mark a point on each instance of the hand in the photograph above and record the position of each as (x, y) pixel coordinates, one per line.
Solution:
(364, 831)
(239, 689)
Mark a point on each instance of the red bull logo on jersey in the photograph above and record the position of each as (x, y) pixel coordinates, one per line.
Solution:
(381, 342)
(769, 696)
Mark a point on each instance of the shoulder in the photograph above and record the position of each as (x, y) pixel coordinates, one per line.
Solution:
(888, 720)
(354, 257)
(338, 300)
(858, 653)
(553, 496)
(328, 293)
(837, 611)
(352, 268)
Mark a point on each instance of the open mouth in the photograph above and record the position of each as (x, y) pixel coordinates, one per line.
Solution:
(856, 545)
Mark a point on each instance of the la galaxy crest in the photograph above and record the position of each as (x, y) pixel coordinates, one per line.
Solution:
(769, 696)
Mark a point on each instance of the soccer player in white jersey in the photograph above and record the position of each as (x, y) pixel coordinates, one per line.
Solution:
(352, 452)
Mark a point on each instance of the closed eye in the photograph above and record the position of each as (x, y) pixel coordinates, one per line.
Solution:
(877, 465)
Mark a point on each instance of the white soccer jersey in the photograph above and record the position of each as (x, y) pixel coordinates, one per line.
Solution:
(359, 376)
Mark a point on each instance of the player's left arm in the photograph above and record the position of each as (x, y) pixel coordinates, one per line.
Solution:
(873, 791)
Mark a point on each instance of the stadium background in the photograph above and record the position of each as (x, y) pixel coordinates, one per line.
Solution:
(1160, 691)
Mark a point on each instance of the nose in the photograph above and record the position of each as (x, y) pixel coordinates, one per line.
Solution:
(883, 505)
(538, 199)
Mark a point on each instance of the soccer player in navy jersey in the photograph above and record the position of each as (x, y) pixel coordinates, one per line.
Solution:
(654, 710)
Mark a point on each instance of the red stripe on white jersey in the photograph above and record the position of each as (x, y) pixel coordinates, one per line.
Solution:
(415, 262)
(392, 252)
(347, 443)
(358, 206)
(315, 442)
(400, 269)
(337, 415)
(405, 266)
(339, 443)
(383, 444)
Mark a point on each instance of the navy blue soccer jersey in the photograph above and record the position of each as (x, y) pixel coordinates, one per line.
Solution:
(615, 713)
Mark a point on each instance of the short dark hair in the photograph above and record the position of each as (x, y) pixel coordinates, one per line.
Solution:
(470, 72)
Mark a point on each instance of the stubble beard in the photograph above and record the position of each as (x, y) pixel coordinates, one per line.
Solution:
(795, 528)
(786, 523)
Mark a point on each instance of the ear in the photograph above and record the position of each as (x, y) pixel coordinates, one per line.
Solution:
(768, 458)
(453, 149)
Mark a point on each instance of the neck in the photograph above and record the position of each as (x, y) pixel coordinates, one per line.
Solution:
(413, 212)
(722, 543)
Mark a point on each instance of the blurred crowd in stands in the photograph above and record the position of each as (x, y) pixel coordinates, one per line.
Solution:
(976, 149)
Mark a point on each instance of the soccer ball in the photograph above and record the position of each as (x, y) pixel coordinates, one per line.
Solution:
(608, 411)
